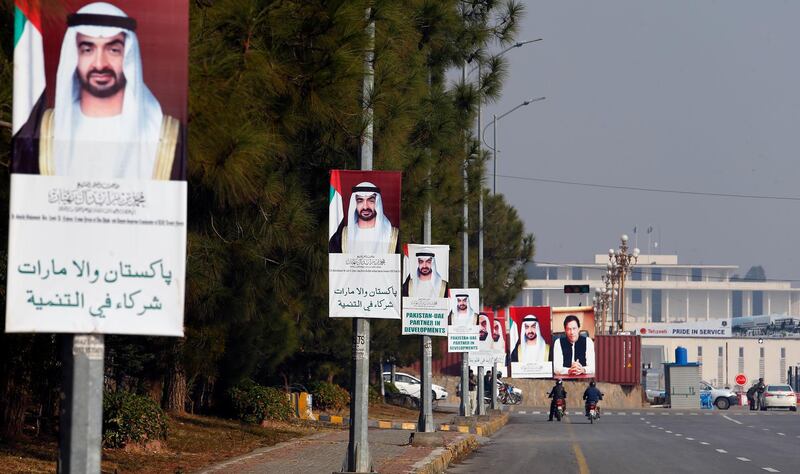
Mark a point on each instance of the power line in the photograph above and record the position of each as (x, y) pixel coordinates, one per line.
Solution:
(652, 190)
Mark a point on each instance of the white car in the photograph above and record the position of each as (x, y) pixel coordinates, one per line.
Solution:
(410, 385)
(780, 396)
(722, 398)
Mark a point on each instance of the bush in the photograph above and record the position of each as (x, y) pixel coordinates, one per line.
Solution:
(390, 387)
(255, 403)
(329, 396)
(375, 397)
(130, 418)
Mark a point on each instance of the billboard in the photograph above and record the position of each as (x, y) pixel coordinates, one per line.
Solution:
(530, 342)
(364, 244)
(573, 342)
(710, 328)
(491, 342)
(425, 290)
(97, 225)
(462, 328)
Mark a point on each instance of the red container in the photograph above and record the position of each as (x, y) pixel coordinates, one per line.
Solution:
(618, 359)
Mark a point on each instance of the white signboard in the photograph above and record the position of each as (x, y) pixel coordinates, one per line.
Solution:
(711, 328)
(425, 316)
(364, 286)
(105, 257)
(462, 328)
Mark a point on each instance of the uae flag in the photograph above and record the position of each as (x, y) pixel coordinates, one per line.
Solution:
(29, 80)
(335, 210)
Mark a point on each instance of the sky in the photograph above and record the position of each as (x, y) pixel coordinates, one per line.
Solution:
(685, 95)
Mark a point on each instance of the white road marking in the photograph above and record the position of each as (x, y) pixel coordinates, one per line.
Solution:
(708, 414)
(650, 413)
(537, 413)
(690, 439)
(731, 419)
(693, 414)
(665, 414)
(743, 459)
(769, 469)
(721, 451)
(668, 431)
(781, 434)
(703, 443)
(765, 429)
(678, 434)
(636, 413)
(679, 414)
(523, 412)
(752, 426)
(660, 428)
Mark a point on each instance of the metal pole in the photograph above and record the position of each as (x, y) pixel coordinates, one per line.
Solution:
(494, 153)
(481, 388)
(463, 409)
(358, 457)
(425, 423)
(81, 412)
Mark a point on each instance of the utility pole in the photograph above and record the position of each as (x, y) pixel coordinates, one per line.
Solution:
(425, 423)
(358, 457)
(81, 423)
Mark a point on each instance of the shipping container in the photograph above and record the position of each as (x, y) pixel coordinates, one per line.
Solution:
(618, 359)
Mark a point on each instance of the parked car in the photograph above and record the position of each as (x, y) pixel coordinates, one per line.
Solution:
(410, 385)
(780, 396)
(722, 398)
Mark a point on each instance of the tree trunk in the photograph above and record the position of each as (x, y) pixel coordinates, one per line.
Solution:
(176, 388)
(12, 409)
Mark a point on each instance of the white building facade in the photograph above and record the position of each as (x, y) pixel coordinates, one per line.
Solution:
(660, 290)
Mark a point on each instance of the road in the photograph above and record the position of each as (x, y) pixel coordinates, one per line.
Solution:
(643, 441)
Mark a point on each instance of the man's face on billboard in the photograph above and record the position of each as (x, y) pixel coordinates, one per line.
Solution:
(365, 207)
(424, 265)
(529, 329)
(100, 64)
(497, 329)
(484, 329)
(461, 303)
(572, 330)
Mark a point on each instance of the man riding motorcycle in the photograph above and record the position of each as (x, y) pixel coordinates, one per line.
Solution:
(557, 393)
(592, 395)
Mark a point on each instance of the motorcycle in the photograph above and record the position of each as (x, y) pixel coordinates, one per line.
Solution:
(594, 412)
(560, 405)
(507, 394)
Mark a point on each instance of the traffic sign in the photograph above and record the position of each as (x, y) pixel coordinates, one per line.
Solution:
(741, 379)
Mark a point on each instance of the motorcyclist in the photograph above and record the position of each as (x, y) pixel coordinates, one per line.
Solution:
(557, 393)
(760, 389)
(592, 395)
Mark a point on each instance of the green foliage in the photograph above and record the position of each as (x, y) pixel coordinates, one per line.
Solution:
(329, 396)
(389, 387)
(254, 403)
(375, 396)
(131, 418)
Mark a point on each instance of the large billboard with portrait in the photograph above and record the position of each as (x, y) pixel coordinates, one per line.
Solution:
(462, 326)
(426, 305)
(97, 228)
(573, 342)
(364, 244)
(491, 342)
(530, 342)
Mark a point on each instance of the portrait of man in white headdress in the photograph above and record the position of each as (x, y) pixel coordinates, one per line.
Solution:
(105, 122)
(531, 346)
(365, 228)
(463, 314)
(498, 335)
(425, 281)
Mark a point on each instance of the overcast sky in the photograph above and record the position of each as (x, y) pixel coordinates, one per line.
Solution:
(699, 95)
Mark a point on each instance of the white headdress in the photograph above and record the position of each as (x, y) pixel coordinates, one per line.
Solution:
(141, 113)
(383, 228)
(436, 279)
(531, 353)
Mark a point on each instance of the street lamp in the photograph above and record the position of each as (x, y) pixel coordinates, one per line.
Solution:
(621, 262)
(495, 118)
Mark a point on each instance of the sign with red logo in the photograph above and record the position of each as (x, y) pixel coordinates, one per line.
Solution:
(741, 379)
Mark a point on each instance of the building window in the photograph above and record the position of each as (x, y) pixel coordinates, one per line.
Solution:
(552, 273)
(761, 352)
(699, 351)
(577, 273)
(736, 304)
(655, 306)
(697, 274)
(655, 274)
(636, 296)
(741, 352)
(783, 352)
(538, 297)
(758, 303)
(636, 275)
(782, 368)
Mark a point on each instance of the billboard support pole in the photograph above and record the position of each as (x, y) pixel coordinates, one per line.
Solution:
(425, 423)
(358, 457)
(81, 412)
(463, 408)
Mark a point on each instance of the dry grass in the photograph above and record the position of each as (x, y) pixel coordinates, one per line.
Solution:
(194, 442)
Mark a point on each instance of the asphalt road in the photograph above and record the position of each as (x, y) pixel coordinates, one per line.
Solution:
(643, 441)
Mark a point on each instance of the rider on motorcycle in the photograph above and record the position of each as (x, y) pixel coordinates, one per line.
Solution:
(592, 395)
(557, 393)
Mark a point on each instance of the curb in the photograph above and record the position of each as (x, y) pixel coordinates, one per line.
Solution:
(438, 461)
(480, 429)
